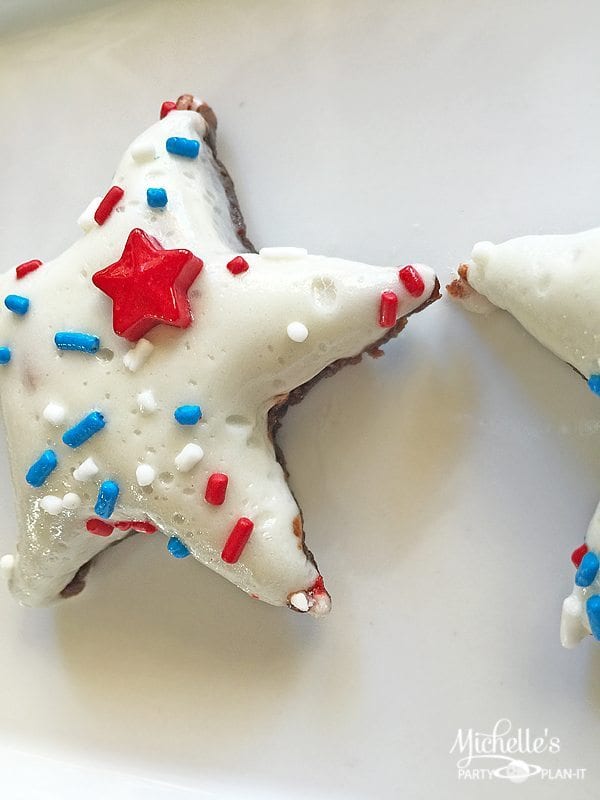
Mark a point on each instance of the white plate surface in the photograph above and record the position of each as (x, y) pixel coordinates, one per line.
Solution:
(444, 486)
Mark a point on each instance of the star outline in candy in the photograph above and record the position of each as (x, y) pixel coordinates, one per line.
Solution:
(148, 286)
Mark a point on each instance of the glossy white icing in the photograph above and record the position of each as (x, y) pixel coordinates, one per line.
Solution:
(235, 361)
(551, 284)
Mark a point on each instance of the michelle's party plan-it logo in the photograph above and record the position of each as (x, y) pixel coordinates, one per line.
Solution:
(507, 753)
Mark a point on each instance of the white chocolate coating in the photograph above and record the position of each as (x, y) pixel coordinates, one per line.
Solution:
(235, 361)
(551, 284)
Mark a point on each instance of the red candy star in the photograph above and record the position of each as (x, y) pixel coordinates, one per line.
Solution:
(148, 286)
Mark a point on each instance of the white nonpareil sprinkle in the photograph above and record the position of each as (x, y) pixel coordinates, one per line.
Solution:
(54, 413)
(7, 564)
(143, 151)
(297, 331)
(86, 471)
(145, 474)
(283, 252)
(147, 402)
(299, 601)
(71, 501)
(138, 355)
(189, 457)
(51, 504)
(86, 220)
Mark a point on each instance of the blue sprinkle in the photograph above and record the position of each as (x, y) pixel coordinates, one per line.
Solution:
(84, 429)
(17, 304)
(188, 415)
(177, 548)
(588, 569)
(593, 612)
(157, 198)
(107, 499)
(179, 146)
(39, 471)
(73, 340)
(594, 383)
(5, 355)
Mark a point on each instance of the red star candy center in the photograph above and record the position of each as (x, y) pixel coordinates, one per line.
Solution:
(148, 286)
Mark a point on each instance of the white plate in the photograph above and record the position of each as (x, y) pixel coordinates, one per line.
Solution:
(444, 487)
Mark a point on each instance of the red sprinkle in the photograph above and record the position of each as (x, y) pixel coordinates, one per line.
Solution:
(388, 309)
(108, 202)
(578, 554)
(27, 267)
(139, 526)
(167, 107)
(216, 488)
(413, 282)
(237, 540)
(237, 265)
(99, 527)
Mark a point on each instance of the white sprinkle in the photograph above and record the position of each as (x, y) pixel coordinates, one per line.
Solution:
(51, 504)
(54, 413)
(297, 331)
(282, 252)
(7, 564)
(143, 151)
(138, 355)
(299, 601)
(86, 220)
(85, 471)
(71, 500)
(147, 402)
(145, 474)
(189, 457)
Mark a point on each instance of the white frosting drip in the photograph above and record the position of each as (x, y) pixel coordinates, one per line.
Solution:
(233, 361)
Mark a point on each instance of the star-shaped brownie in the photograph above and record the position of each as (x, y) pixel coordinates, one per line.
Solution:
(548, 283)
(144, 373)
